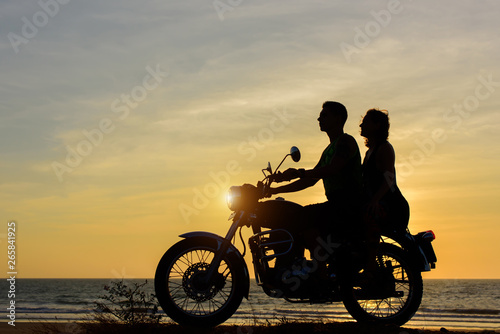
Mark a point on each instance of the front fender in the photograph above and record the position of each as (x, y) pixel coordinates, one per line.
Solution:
(231, 251)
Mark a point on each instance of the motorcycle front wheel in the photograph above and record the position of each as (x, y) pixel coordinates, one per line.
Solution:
(181, 289)
(395, 299)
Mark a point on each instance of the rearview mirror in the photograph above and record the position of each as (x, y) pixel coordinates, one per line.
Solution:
(295, 153)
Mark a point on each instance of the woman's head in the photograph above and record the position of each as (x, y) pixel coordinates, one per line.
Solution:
(375, 126)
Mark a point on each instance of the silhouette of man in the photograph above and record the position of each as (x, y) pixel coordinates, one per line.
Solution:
(340, 169)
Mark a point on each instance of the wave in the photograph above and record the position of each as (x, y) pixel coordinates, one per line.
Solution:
(471, 311)
(47, 310)
(444, 303)
(474, 311)
(71, 302)
(462, 313)
(292, 312)
(427, 314)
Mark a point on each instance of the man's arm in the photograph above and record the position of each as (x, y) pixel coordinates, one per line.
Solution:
(298, 185)
(345, 149)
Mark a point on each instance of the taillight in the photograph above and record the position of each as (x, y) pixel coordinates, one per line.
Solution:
(428, 236)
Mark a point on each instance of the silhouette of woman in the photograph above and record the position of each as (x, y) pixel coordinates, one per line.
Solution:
(386, 208)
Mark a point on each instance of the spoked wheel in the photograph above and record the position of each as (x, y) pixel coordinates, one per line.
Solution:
(183, 291)
(392, 297)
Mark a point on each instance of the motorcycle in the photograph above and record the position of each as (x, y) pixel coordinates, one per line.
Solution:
(201, 280)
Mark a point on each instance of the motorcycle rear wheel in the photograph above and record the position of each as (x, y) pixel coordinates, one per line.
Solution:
(180, 289)
(386, 308)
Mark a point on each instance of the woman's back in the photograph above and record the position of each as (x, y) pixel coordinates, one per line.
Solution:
(396, 210)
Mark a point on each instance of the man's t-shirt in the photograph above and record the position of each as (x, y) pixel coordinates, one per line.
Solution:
(347, 184)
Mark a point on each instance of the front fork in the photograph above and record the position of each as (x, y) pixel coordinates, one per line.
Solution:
(222, 249)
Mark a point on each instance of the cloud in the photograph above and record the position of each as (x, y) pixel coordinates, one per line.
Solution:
(226, 78)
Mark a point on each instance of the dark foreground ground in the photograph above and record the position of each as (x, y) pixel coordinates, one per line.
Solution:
(284, 328)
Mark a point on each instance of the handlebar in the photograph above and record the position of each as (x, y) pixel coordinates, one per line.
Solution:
(264, 185)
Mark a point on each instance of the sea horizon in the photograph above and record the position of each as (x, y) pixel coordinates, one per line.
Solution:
(451, 303)
(152, 278)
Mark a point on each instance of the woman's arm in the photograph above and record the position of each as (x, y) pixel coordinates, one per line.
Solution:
(385, 163)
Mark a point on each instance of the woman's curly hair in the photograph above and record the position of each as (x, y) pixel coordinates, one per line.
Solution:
(380, 117)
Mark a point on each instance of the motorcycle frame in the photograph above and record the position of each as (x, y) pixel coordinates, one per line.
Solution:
(224, 246)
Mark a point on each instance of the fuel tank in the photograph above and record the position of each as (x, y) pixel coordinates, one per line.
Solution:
(278, 213)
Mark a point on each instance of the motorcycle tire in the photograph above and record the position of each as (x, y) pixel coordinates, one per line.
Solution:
(393, 301)
(181, 293)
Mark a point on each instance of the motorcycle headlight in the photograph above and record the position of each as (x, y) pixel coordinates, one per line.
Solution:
(233, 198)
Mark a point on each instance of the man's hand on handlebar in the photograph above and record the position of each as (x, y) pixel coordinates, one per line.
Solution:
(289, 174)
(270, 192)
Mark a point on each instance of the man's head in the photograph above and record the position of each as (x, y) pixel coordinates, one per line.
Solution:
(333, 114)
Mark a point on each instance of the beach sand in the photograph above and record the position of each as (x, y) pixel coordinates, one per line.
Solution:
(285, 328)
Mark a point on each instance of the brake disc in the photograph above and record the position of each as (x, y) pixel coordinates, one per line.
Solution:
(194, 285)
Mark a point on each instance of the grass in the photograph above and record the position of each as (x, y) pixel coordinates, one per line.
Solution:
(283, 326)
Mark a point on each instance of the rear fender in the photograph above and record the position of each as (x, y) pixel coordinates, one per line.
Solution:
(231, 252)
(409, 244)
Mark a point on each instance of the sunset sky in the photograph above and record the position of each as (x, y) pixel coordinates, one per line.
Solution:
(123, 123)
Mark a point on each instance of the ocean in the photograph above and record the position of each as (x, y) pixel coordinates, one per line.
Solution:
(454, 304)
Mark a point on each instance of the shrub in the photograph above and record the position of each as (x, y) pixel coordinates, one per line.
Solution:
(126, 304)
